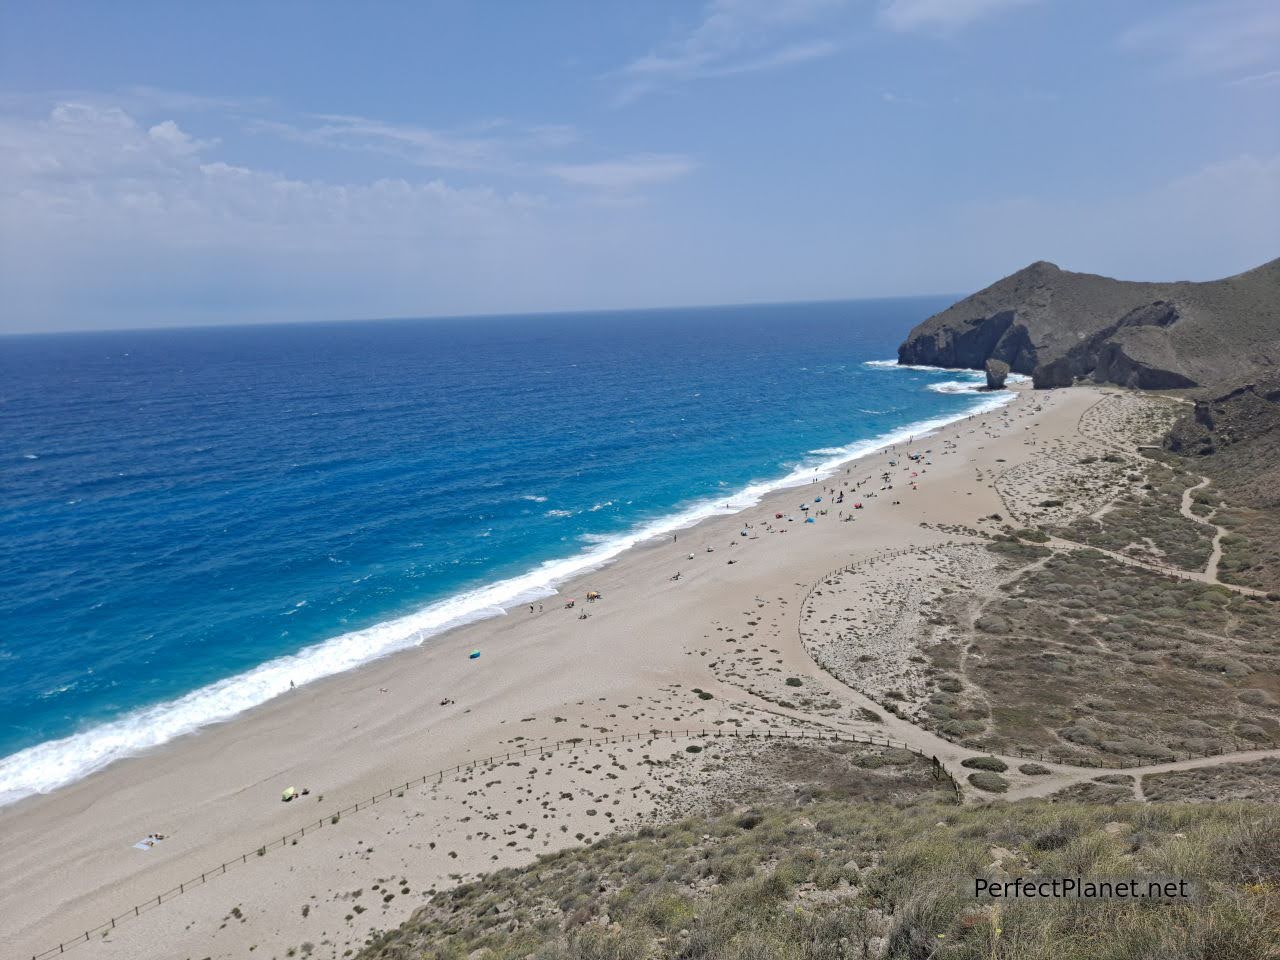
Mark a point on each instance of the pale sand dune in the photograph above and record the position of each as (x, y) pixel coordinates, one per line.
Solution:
(728, 629)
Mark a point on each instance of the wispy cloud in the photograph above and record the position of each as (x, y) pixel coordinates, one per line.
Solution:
(144, 213)
(735, 37)
(138, 101)
(889, 96)
(494, 146)
(626, 175)
(1213, 38)
(140, 212)
(906, 15)
(1268, 78)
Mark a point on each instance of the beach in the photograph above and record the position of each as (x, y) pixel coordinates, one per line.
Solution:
(714, 649)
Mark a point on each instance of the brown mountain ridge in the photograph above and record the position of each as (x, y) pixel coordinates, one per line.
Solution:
(1058, 326)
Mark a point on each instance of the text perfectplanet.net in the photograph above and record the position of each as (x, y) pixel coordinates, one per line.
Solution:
(1074, 887)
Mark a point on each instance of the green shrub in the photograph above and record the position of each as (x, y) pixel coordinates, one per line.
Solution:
(994, 764)
(990, 782)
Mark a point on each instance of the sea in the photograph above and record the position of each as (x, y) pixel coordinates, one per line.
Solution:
(192, 519)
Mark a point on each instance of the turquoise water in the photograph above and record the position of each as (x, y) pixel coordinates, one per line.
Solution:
(191, 519)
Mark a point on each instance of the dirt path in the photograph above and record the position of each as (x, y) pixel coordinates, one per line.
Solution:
(1211, 568)
(952, 755)
(1202, 576)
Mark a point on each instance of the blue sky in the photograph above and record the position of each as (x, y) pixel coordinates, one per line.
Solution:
(171, 163)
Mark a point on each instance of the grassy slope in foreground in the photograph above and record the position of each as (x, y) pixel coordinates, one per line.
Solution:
(854, 879)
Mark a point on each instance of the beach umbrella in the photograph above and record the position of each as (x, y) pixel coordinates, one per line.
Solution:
(475, 655)
(289, 794)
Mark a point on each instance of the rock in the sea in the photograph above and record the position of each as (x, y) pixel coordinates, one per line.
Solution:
(1058, 327)
(997, 372)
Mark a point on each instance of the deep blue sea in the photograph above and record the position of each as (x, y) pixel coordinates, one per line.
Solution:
(190, 519)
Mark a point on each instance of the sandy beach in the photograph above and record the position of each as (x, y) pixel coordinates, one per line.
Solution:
(718, 647)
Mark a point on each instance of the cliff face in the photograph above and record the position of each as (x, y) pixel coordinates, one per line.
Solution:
(1058, 326)
(1238, 435)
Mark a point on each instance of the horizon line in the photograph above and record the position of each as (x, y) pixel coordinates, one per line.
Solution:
(532, 314)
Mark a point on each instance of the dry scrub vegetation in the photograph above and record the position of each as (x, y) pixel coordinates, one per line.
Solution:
(1020, 646)
(1087, 660)
(1258, 780)
(834, 879)
(1144, 522)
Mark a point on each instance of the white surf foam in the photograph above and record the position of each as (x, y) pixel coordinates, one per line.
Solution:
(895, 365)
(956, 386)
(55, 763)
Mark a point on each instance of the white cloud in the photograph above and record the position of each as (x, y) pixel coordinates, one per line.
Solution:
(1268, 78)
(627, 174)
(908, 15)
(494, 147)
(105, 220)
(95, 208)
(173, 138)
(100, 166)
(888, 96)
(1213, 38)
(735, 37)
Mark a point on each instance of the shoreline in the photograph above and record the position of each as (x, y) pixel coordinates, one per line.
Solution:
(46, 767)
(631, 667)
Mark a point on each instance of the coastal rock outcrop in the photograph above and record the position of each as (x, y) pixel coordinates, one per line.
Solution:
(1058, 326)
(997, 373)
(1238, 432)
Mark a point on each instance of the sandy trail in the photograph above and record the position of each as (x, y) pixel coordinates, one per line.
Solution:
(1211, 568)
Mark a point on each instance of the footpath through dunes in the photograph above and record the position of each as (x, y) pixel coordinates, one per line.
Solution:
(725, 647)
(961, 638)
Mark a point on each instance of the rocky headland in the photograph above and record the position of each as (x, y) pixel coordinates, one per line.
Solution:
(1057, 327)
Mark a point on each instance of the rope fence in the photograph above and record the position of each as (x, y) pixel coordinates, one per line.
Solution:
(438, 776)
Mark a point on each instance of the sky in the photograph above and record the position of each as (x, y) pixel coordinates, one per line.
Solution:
(235, 162)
